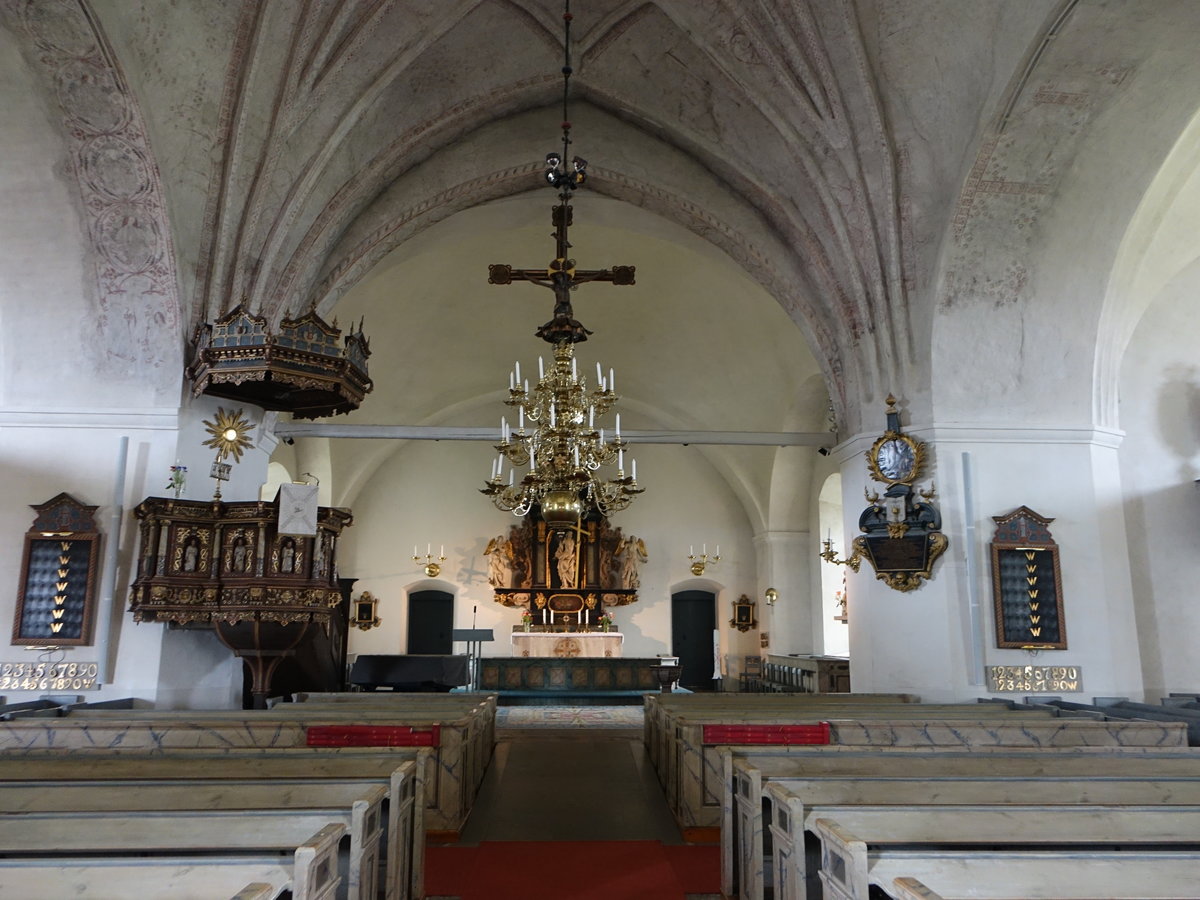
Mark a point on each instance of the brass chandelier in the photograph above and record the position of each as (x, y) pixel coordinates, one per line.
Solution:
(563, 448)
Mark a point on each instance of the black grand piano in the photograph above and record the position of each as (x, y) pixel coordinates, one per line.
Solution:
(419, 674)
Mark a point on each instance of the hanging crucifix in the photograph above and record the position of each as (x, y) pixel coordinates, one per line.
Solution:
(561, 276)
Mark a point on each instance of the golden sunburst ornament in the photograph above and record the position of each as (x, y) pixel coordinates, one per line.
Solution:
(229, 434)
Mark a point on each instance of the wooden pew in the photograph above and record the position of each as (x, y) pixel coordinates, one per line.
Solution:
(78, 815)
(311, 871)
(454, 771)
(260, 891)
(847, 836)
(401, 770)
(1092, 775)
(1059, 874)
(685, 760)
(661, 708)
(694, 778)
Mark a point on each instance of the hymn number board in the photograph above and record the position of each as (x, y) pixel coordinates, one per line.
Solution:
(58, 576)
(1027, 583)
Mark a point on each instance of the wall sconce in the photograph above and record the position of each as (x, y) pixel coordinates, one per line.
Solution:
(698, 562)
(431, 564)
(830, 555)
(363, 611)
(771, 596)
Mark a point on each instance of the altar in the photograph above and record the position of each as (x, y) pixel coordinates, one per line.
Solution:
(567, 645)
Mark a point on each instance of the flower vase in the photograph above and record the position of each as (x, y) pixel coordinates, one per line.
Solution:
(527, 626)
(605, 628)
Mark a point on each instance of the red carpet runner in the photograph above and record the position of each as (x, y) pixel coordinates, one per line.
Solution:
(576, 870)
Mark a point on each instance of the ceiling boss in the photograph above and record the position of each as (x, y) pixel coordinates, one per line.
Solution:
(556, 434)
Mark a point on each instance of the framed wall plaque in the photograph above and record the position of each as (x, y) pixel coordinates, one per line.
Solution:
(743, 614)
(1027, 583)
(59, 571)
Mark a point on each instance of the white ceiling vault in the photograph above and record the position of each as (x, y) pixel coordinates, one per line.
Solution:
(827, 190)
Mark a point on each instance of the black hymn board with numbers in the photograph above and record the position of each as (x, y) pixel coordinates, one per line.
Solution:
(1027, 583)
(59, 570)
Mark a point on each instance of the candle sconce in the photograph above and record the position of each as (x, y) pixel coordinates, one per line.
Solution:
(431, 564)
(699, 562)
(363, 615)
(854, 560)
(771, 596)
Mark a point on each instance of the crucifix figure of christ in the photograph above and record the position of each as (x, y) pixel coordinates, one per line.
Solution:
(561, 276)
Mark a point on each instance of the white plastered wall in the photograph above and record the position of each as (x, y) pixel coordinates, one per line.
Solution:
(424, 494)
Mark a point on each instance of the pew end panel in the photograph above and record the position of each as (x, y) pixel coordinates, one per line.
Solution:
(261, 890)
(911, 889)
(843, 862)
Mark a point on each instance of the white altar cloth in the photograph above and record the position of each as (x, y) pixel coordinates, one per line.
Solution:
(567, 645)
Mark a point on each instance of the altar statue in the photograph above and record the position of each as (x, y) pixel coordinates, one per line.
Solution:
(500, 562)
(632, 553)
(567, 560)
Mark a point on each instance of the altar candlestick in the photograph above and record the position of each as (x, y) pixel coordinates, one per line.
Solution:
(612, 380)
(633, 462)
(541, 369)
(544, 611)
(518, 371)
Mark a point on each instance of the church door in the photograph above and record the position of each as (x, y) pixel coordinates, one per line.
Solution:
(693, 620)
(430, 621)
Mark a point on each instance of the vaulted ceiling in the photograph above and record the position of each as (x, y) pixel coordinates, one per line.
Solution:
(868, 168)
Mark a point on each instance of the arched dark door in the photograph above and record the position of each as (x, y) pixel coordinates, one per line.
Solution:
(693, 620)
(430, 621)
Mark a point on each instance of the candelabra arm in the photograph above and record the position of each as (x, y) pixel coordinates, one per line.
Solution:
(830, 556)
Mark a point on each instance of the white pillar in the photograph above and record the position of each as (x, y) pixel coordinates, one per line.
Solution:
(784, 564)
(920, 641)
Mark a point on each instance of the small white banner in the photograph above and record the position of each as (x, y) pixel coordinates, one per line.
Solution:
(298, 509)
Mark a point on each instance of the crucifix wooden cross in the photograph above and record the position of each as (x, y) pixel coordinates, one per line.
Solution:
(562, 277)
